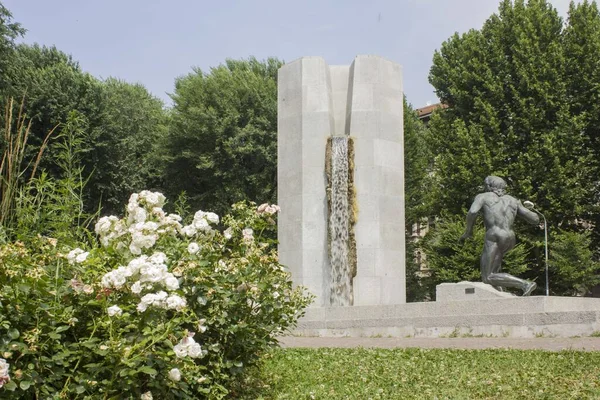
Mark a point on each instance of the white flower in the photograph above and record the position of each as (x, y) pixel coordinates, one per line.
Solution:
(248, 235)
(174, 217)
(158, 258)
(152, 199)
(4, 377)
(114, 311)
(77, 256)
(175, 375)
(115, 278)
(159, 212)
(193, 248)
(136, 287)
(201, 224)
(275, 295)
(141, 241)
(134, 249)
(270, 210)
(212, 218)
(153, 273)
(261, 209)
(194, 350)
(136, 215)
(228, 233)
(147, 396)
(171, 282)
(175, 302)
(201, 327)
(188, 347)
(180, 350)
(189, 230)
(82, 257)
(104, 224)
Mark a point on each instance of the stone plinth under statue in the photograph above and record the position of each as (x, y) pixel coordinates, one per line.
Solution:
(486, 312)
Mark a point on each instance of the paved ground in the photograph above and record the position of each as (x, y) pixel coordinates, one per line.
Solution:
(553, 344)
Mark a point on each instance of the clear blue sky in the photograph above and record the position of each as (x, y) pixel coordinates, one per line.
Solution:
(155, 41)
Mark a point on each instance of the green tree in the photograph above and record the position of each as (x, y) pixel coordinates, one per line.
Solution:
(222, 142)
(417, 161)
(9, 31)
(573, 268)
(582, 47)
(121, 123)
(520, 94)
(126, 153)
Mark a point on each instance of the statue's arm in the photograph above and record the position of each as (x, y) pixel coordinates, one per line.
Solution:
(527, 214)
(472, 216)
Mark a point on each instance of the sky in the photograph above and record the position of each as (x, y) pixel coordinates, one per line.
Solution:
(153, 42)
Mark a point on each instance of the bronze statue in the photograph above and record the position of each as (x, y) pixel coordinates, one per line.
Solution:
(499, 212)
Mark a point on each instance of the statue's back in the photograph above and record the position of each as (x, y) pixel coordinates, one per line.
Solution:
(499, 211)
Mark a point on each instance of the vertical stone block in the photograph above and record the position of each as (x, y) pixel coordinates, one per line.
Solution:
(364, 101)
(376, 118)
(305, 121)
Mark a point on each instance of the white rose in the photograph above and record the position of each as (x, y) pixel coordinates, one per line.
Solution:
(175, 375)
(194, 350)
(114, 311)
(193, 248)
(136, 287)
(201, 224)
(189, 230)
(175, 302)
(228, 233)
(212, 218)
(141, 307)
(180, 350)
(146, 396)
(171, 282)
(72, 256)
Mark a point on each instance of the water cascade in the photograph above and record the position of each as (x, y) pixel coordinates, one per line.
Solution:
(339, 224)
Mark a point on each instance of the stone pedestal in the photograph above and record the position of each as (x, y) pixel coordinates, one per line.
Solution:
(363, 101)
(467, 291)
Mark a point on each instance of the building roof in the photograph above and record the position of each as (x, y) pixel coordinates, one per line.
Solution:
(425, 112)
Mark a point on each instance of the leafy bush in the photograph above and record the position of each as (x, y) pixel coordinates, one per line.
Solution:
(158, 310)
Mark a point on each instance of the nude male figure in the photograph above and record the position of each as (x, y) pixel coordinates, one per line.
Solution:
(499, 212)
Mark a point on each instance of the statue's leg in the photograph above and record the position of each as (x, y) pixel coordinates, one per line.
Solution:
(497, 278)
(490, 251)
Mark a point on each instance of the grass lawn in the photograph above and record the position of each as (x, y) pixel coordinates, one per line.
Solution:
(425, 374)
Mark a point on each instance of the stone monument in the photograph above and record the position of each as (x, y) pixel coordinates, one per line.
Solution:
(341, 180)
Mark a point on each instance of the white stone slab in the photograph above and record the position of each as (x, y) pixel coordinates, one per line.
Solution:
(515, 317)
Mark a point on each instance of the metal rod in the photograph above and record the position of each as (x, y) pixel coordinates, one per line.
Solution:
(546, 247)
(545, 250)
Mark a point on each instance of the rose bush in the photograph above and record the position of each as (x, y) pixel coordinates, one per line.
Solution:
(160, 308)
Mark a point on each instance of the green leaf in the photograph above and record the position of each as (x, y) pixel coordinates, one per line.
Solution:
(24, 385)
(12, 386)
(147, 370)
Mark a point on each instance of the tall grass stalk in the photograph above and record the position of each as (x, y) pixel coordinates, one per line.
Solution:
(15, 135)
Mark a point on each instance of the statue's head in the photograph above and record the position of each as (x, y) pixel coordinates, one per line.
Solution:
(495, 184)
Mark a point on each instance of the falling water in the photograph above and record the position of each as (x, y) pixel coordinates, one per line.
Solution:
(339, 225)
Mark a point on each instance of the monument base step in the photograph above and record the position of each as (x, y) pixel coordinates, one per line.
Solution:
(534, 316)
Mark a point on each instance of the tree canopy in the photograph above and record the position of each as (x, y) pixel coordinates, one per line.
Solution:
(520, 96)
(222, 141)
